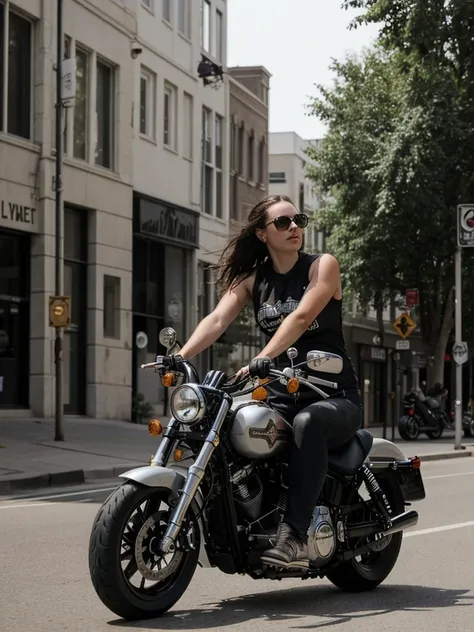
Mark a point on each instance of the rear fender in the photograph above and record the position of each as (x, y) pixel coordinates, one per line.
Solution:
(172, 478)
(385, 455)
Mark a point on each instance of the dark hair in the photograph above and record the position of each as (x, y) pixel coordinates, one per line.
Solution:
(246, 251)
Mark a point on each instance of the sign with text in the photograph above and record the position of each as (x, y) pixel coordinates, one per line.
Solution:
(169, 223)
(460, 353)
(466, 225)
(411, 298)
(18, 216)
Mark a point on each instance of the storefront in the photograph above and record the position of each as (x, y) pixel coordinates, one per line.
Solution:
(164, 241)
(14, 316)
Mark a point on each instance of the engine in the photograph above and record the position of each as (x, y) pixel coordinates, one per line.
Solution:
(260, 496)
(258, 432)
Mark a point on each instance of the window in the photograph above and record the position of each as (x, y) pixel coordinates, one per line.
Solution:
(147, 103)
(166, 8)
(206, 135)
(218, 163)
(184, 18)
(219, 36)
(105, 115)
(81, 105)
(206, 25)
(15, 106)
(277, 176)
(261, 161)
(240, 149)
(233, 138)
(169, 116)
(301, 197)
(111, 307)
(208, 169)
(251, 156)
(188, 115)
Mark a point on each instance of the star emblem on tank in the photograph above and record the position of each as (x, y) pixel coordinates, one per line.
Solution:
(271, 434)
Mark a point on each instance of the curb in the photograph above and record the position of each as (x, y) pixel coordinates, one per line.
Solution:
(78, 477)
(70, 477)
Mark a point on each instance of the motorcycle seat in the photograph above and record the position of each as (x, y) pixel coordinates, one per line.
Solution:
(348, 459)
(432, 403)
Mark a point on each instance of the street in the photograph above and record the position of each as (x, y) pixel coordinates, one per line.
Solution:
(46, 586)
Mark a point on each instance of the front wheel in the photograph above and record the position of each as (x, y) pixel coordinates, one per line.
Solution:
(408, 428)
(130, 575)
(366, 572)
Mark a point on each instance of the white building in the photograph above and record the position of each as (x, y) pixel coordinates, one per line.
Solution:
(287, 176)
(180, 179)
(97, 182)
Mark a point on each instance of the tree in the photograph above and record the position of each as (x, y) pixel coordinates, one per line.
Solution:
(397, 161)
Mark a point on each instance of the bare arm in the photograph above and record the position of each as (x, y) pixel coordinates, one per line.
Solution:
(213, 326)
(324, 283)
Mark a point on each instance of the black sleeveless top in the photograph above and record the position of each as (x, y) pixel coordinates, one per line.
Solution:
(275, 296)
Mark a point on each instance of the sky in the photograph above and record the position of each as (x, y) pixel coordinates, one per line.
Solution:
(295, 41)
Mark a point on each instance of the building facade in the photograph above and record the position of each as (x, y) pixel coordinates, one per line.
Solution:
(97, 180)
(287, 176)
(248, 149)
(180, 175)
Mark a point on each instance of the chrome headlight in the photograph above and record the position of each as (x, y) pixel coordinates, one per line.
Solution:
(188, 404)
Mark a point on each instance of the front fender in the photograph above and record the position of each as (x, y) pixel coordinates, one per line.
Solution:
(383, 450)
(172, 478)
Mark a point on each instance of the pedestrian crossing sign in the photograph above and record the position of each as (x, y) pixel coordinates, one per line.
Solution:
(404, 325)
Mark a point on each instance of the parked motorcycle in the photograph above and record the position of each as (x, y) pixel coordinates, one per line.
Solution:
(216, 489)
(467, 423)
(422, 414)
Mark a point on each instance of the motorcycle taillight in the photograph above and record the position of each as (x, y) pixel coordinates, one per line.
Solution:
(411, 411)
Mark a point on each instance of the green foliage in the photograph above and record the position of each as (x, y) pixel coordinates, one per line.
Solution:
(398, 156)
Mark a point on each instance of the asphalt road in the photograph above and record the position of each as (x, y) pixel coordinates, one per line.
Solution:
(45, 585)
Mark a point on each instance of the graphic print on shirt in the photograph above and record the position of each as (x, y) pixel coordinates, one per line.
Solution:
(271, 314)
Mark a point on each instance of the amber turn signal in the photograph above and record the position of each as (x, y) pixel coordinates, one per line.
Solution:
(178, 454)
(154, 427)
(292, 385)
(168, 379)
(260, 393)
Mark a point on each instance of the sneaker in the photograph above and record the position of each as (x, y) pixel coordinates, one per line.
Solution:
(289, 551)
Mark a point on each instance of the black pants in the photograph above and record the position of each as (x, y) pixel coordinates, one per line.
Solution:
(317, 429)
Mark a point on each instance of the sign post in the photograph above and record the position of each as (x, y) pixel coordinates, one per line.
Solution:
(460, 352)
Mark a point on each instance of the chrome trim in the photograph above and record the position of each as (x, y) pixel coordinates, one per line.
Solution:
(195, 476)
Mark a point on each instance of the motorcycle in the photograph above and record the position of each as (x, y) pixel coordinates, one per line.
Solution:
(422, 414)
(216, 490)
(467, 423)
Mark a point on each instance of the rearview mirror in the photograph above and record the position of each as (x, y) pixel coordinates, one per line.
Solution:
(324, 362)
(167, 338)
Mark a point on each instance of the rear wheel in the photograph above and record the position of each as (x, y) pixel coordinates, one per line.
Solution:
(408, 428)
(129, 573)
(366, 572)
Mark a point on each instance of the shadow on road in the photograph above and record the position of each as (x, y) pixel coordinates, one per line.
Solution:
(291, 605)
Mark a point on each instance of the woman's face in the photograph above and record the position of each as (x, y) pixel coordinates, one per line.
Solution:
(284, 227)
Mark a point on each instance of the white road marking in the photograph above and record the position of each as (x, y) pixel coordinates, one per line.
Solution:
(447, 527)
(22, 506)
(428, 478)
(13, 502)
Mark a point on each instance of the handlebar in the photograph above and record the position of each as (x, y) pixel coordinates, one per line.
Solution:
(310, 381)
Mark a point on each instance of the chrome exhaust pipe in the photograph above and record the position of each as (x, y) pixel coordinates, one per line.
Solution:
(401, 522)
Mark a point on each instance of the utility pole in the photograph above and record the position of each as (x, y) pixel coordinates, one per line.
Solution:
(460, 352)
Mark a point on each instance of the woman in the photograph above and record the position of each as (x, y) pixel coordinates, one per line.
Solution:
(297, 301)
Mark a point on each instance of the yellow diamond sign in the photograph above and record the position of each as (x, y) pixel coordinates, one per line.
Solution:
(404, 325)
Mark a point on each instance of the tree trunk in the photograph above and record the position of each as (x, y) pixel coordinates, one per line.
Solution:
(435, 373)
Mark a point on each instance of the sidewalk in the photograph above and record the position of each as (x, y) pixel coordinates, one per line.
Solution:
(102, 449)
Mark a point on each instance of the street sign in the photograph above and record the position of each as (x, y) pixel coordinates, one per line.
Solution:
(59, 311)
(466, 225)
(460, 353)
(404, 325)
(402, 345)
(141, 340)
(411, 297)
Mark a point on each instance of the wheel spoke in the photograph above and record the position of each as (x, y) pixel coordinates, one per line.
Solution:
(130, 569)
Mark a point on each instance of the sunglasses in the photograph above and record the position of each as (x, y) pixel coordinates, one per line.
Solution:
(284, 222)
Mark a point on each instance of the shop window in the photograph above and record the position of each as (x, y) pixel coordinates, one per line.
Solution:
(111, 307)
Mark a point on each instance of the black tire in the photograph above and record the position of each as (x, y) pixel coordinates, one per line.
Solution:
(105, 545)
(469, 430)
(408, 428)
(437, 432)
(353, 576)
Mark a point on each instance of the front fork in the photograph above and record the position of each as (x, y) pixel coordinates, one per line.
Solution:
(195, 473)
